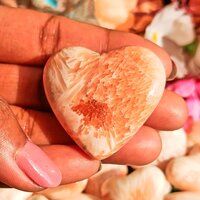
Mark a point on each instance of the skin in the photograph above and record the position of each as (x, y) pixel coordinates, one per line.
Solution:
(28, 38)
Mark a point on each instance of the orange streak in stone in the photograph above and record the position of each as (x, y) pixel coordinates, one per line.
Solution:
(95, 113)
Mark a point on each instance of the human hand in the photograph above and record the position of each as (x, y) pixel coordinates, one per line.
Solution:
(28, 38)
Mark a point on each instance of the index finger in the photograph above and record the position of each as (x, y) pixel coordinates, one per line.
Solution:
(30, 37)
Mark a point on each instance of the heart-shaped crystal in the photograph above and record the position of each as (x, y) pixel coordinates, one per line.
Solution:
(102, 100)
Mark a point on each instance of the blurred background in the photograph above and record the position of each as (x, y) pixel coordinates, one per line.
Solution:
(175, 26)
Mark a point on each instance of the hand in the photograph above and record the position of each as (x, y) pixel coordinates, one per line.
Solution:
(28, 38)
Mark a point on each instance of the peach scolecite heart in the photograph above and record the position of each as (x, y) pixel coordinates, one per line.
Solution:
(102, 100)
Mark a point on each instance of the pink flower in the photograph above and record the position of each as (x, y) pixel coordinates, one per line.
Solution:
(189, 89)
(184, 87)
(193, 104)
(198, 87)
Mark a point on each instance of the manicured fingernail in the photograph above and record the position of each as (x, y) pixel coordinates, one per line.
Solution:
(173, 74)
(37, 166)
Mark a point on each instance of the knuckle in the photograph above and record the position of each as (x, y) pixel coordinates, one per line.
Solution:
(26, 120)
(5, 111)
(107, 40)
(49, 36)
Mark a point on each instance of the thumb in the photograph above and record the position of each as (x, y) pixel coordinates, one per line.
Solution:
(23, 165)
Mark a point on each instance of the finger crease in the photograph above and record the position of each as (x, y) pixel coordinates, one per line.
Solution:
(31, 123)
(26, 120)
(105, 47)
(49, 36)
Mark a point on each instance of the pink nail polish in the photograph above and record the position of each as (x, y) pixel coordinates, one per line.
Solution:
(37, 166)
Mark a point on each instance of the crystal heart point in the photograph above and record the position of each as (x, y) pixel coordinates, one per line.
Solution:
(102, 100)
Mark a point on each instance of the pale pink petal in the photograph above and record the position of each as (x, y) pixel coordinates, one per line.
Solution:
(184, 88)
(198, 87)
(193, 104)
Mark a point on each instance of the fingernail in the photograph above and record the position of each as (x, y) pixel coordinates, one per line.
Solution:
(100, 167)
(173, 74)
(37, 166)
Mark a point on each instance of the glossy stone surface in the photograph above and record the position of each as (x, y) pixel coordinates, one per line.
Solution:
(102, 100)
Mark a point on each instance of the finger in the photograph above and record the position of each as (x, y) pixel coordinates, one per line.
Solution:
(41, 127)
(23, 165)
(46, 34)
(73, 163)
(143, 148)
(22, 86)
(170, 114)
(133, 152)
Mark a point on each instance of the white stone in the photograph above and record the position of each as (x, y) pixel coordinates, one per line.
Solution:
(183, 196)
(13, 194)
(148, 183)
(184, 172)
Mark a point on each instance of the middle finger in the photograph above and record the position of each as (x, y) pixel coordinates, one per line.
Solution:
(22, 86)
(44, 129)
